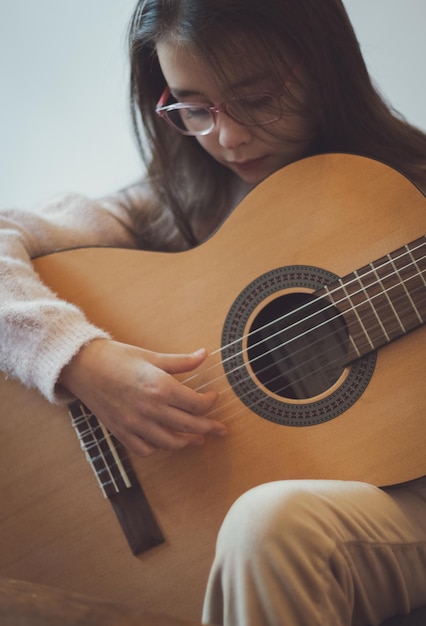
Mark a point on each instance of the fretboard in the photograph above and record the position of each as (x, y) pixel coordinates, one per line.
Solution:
(383, 300)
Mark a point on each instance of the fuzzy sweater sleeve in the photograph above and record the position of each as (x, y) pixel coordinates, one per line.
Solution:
(39, 333)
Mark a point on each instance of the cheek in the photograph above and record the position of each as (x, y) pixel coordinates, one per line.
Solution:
(295, 128)
(301, 121)
(207, 142)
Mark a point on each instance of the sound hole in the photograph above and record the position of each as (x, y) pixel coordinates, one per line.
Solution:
(297, 346)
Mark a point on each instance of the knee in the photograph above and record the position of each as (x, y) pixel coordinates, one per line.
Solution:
(279, 515)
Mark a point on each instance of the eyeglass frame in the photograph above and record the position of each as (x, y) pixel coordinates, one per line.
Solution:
(162, 110)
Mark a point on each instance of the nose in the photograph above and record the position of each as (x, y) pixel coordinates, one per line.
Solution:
(231, 134)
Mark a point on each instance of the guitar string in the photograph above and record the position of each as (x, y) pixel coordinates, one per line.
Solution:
(410, 251)
(331, 305)
(294, 338)
(112, 449)
(242, 407)
(361, 334)
(246, 394)
(289, 357)
(117, 456)
(90, 432)
(281, 389)
(291, 326)
(96, 440)
(95, 443)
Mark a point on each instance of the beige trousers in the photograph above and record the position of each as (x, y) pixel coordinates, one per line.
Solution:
(314, 552)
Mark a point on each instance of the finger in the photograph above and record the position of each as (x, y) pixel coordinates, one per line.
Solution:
(154, 437)
(179, 421)
(182, 409)
(163, 390)
(180, 363)
(147, 438)
(194, 409)
(128, 436)
(190, 401)
(138, 446)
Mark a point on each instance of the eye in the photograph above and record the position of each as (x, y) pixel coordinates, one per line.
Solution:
(189, 113)
(256, 102)
(196, 119)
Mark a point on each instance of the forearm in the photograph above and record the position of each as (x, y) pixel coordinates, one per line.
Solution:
(39, 333)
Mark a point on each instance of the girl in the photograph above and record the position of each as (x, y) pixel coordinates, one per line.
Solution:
(224, 93)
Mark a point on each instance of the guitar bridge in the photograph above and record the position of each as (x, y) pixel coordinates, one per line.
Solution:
(117, 479)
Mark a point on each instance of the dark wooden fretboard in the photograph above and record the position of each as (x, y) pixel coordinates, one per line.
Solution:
(383, 300)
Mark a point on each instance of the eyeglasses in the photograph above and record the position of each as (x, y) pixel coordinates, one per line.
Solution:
(200, 119)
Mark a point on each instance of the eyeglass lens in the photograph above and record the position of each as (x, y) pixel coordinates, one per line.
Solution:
(192, 119)
(250, 111)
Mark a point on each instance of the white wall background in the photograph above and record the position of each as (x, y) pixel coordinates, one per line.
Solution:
(64, 123)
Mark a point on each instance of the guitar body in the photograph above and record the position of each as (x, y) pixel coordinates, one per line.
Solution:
(335, 213)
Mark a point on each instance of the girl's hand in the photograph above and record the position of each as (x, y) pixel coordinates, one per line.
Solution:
(133, 392)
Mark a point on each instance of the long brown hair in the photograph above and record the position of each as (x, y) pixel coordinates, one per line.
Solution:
(350, 114)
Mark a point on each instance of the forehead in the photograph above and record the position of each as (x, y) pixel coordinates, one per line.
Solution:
(184, 67)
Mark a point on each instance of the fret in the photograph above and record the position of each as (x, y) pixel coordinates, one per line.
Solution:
(405, 275)
(367, 283)
(397, 277)
(337, 293)
(417, 256)
(418, 261)
(386, 297)
(350, 299)
(383, 300)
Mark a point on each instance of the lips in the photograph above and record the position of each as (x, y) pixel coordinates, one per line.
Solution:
(249, 165)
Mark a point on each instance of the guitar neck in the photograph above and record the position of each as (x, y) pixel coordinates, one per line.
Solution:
(383, 300)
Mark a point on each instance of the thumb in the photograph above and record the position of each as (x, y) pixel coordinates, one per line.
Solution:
(179, 363)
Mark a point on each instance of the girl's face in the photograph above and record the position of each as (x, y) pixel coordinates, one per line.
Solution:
(253, 153)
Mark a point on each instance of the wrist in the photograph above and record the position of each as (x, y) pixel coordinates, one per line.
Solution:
(84, 361)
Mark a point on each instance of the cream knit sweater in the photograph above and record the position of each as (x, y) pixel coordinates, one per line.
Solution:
(39, 334)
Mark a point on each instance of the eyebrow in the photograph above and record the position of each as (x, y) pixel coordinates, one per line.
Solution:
(249, 80)
(183, 93)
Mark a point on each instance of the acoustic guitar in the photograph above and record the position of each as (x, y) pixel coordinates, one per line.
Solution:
(311, 300)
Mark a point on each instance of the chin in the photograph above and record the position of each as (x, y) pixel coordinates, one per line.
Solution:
(254, 178)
